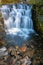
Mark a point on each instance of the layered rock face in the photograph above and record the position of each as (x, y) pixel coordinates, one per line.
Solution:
(38, 19)
(2, 32)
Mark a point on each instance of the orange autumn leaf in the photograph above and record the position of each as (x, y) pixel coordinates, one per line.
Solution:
(23, 49)
(23, 64)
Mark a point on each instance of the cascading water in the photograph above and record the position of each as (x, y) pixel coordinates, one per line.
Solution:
(18, 20)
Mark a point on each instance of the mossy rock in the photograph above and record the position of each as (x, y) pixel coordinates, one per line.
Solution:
(18, 1)
(39, 2)
(9, 1)
(38, 19)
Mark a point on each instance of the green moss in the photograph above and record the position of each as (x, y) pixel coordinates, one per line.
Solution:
(8, 1)
(17, 1)
(39, 19)
(0, 15)
(36, 2)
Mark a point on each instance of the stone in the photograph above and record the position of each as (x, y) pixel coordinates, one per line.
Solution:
(26, 61)
(38, 19)
(5, 58)
(12, 51)
(2, 43)
(3, 51)
(17, 63)
(12, 62)
(16, 47)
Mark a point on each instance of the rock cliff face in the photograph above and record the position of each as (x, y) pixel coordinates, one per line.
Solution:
(2, 32)
(38, 19)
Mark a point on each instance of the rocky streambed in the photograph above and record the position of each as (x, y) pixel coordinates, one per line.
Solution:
(30, 53)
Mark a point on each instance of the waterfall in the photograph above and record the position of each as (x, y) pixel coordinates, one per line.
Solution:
(18, 19)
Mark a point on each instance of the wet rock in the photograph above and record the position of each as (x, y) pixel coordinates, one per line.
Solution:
(13, 61)
(25, 61)
(17, 63)
(38, 19)
(5, 58)
(20, 54)
(16, 47)
(2, 42)
(12, 51)
(2, 33)
(3, 51)
(29, 53)
(3, 63)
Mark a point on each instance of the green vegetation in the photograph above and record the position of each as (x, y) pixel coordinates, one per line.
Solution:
(39, 20)
(40, 2)
(8, 1)
(17, 1)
